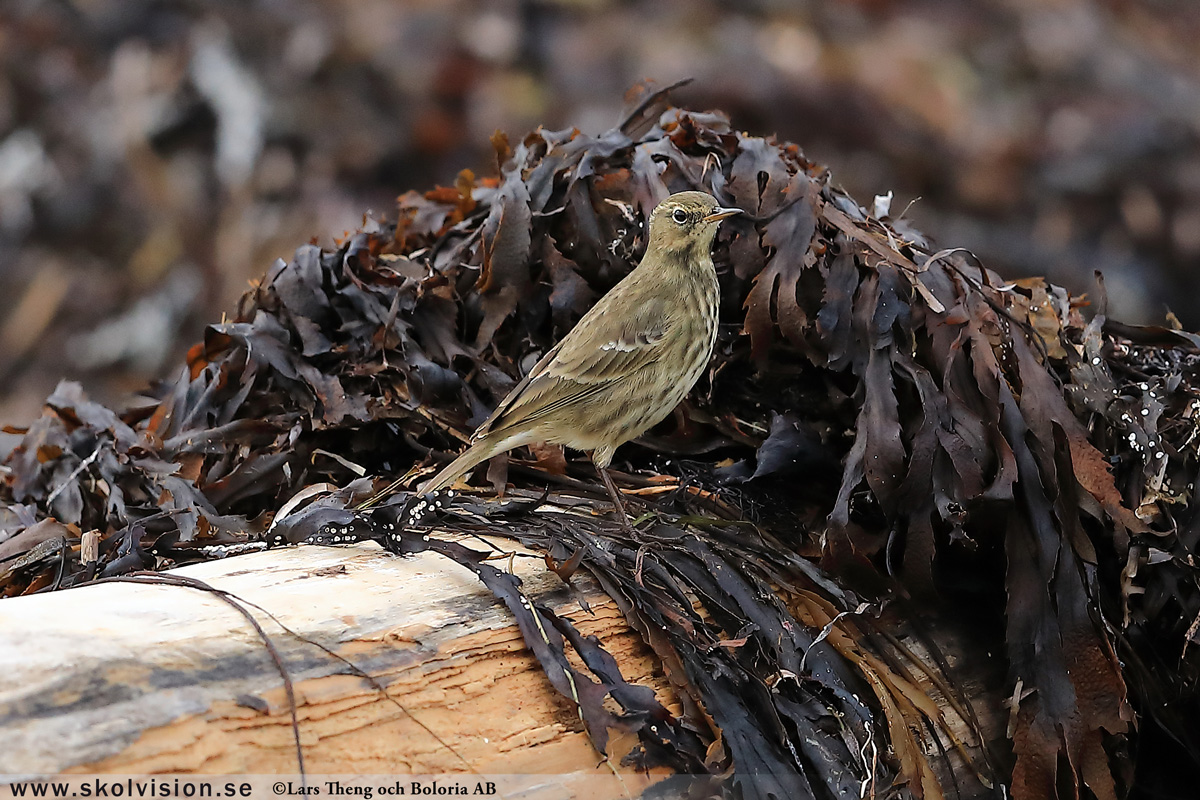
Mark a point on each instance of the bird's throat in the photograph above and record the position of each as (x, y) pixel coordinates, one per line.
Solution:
(686, 257)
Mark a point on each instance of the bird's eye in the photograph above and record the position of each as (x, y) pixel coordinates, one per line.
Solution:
(679, 215)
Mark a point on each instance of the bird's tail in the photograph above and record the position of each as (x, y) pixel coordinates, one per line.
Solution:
(481, 450)
(475, 454)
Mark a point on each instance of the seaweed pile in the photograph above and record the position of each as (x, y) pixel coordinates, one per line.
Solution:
(933, 433)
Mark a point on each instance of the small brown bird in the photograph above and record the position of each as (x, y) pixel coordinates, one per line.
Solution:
(631, 358)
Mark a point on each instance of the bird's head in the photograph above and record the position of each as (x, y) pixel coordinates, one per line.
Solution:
(686, 223)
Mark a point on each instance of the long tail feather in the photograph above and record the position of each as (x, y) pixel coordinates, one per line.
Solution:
(477, 453)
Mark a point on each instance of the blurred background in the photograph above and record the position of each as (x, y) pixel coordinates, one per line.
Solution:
(157, 156)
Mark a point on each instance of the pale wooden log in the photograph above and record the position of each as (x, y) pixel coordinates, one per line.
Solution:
(130, 679)
(134, 679)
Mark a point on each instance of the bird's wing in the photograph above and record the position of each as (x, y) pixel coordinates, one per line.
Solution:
(603, 347)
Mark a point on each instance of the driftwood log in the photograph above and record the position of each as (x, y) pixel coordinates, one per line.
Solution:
(892, 441)
(133, 678)
(397, 666)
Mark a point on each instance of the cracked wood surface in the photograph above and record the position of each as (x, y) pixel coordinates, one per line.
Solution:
(130, 679)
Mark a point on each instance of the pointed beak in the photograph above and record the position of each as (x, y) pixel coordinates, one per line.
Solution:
(719, 214)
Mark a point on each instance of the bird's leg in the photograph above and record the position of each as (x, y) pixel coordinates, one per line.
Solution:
(626, 524)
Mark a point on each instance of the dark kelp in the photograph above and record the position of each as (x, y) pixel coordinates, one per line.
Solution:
(992, 443)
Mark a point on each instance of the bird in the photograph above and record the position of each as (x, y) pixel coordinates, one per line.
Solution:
(630, 359)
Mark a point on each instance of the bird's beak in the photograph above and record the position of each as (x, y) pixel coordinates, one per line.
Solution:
(719, 214)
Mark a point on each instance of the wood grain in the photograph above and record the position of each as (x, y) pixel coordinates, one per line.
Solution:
(132, 679)
(135, 679)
